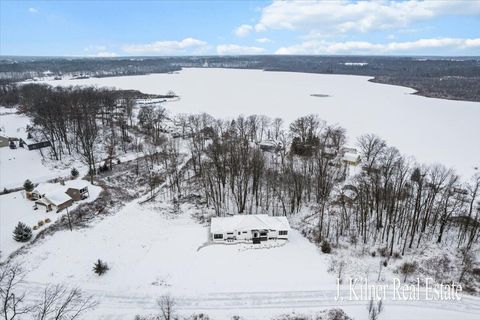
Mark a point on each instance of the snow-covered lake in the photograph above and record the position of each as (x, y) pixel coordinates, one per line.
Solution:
(431, 130)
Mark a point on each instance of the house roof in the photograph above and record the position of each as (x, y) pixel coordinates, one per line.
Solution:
(58, 197)
(44, 188)
(248, 222)
(351, 157)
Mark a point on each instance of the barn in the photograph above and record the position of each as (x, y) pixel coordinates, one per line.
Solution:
(249, 228)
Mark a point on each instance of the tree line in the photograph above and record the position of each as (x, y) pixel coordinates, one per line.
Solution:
(388, 200)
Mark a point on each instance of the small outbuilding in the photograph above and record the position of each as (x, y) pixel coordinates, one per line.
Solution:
(249, 228)
(31, 144)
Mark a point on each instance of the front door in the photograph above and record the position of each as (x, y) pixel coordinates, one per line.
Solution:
(256, 237)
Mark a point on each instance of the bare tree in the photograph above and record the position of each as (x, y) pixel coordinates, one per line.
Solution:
(167, 307)
(12, 300)
(59, 303)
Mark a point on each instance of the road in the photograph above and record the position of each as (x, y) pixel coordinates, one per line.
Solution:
(119, 303)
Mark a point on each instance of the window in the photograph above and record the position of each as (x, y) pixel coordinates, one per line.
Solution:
(218, 236)
(282, 232)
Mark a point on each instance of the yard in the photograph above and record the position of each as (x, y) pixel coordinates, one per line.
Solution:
(15, 207)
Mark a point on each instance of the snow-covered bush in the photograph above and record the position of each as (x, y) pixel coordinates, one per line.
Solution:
(326, 248)
(407, 268)
(22, 232)
(100, 267)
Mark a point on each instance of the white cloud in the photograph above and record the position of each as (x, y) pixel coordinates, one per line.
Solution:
(32, 10)
(165, 47)
(364, 47)
(264, 40)
(243, 30)
(226, 49)
(99, 51)
(362, 16)
(105, 54)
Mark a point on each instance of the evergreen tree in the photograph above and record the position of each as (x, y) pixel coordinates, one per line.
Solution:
(22, 232)
(74, 172)
(100, 267)
(28, 185)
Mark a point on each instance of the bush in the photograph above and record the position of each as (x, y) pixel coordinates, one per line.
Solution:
(41, 223)
(22, 232)
(408, 268)
(374, 254)
(48, 220)
(383, 251)
(100, 267)
(326, 248)
(28, 185)
(74, 172)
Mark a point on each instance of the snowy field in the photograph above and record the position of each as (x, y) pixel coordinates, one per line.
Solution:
(15, 207)
(17, 165)
(150, 253)
(431, 130)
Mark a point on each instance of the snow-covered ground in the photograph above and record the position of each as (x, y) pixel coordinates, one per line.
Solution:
(151, 252)
(18, 165)
(431, 130)
(15, 207)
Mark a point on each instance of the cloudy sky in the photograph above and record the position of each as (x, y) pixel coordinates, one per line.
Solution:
(145, 28)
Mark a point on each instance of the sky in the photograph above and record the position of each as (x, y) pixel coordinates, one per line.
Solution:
(169, 28)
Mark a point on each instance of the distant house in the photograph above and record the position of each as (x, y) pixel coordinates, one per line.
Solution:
(31, 144)
(55, 201)
(352, 159)
(78, 190)
(56, 197)
(270, 145)
(249, 228)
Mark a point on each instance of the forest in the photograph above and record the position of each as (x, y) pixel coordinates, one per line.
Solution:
(440, 77)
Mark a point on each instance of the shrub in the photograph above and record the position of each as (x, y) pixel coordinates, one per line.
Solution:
(41, 223)
(374, 254)
(385, 263)
(28, 185)
(100, 267)
(74, 172)
(48, 220)
(383, 251)
(397, 255)
(22, 232)
(326, 248)
(408, 268)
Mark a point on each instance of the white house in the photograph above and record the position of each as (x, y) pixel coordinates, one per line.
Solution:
(246, 228)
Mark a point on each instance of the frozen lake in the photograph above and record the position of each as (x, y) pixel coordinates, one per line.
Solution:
(431, 130)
